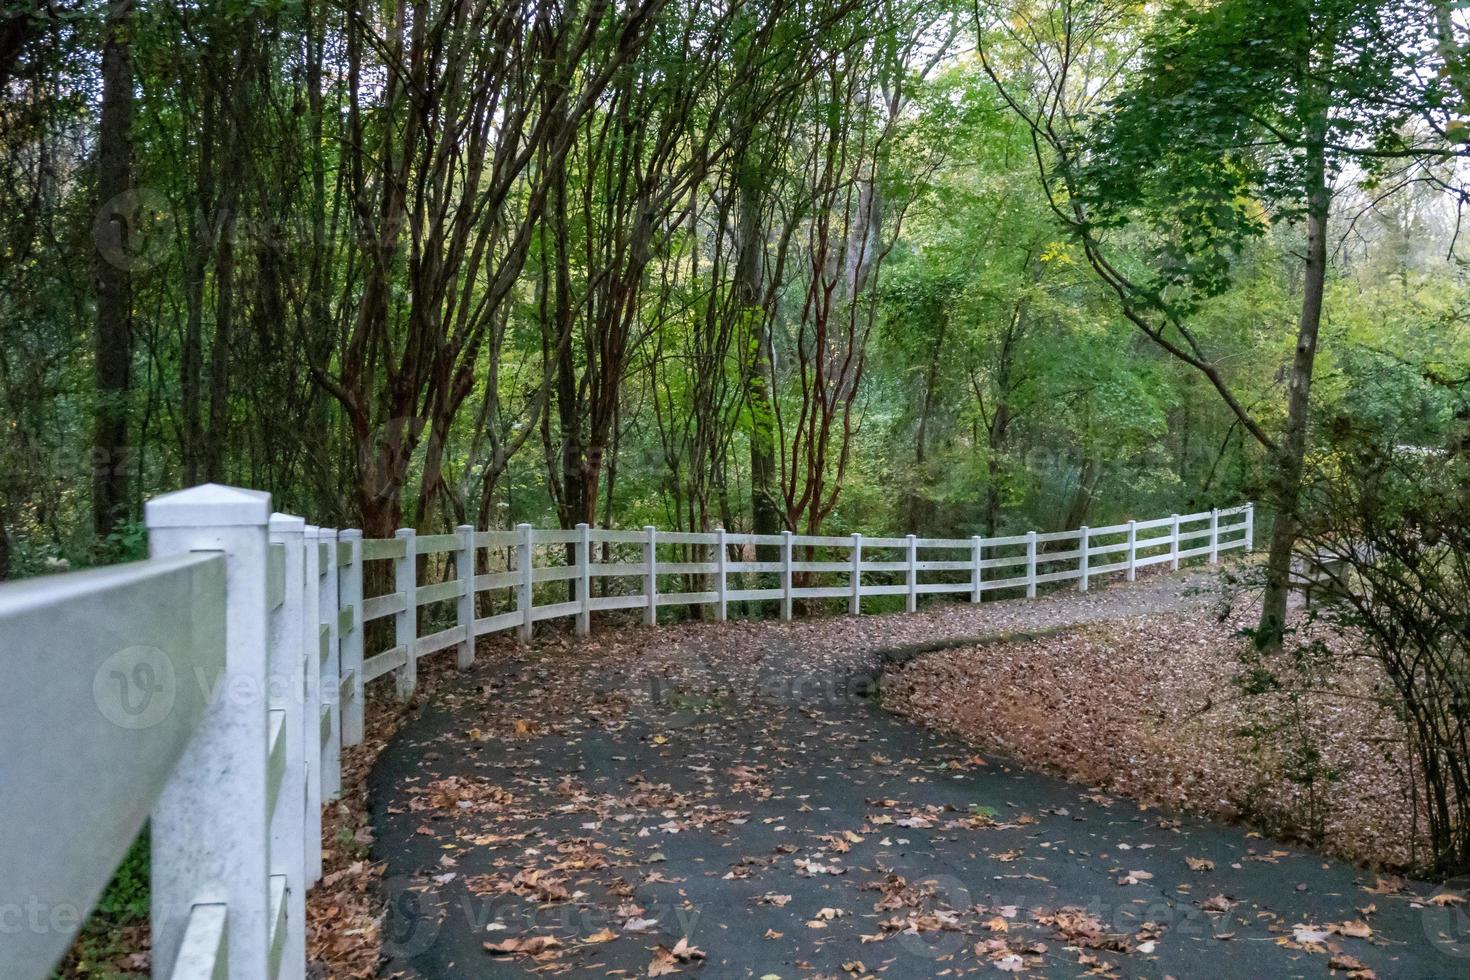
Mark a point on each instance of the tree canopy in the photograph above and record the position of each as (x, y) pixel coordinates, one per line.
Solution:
(815, 265)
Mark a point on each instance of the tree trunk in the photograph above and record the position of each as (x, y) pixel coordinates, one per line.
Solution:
(764, 514)
(1081, 504)
(191, 359)
(918, 508)
(219, 354)
(999, 429)
(575, 505)
(1287, 476)
(113, 339)
(5, 526)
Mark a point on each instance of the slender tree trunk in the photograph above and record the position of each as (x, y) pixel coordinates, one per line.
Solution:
(5, 525)
(219, 355)
(918, 507)
(999, 429)
(999, 432)
(1081, 503)
(192, 355)
(1287, 475)
(1457, 65)
(113, 339)
(765, 515)
(232, 176)
(573, 462)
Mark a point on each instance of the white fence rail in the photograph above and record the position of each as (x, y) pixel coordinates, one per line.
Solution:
(211, 688)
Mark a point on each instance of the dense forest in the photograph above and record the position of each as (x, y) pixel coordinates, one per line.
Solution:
(804, 264)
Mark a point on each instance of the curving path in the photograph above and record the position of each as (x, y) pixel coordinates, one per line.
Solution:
(585, 809)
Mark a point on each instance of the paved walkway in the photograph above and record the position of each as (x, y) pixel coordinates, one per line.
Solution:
(727, 801)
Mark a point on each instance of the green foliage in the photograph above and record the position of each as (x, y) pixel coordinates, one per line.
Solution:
(1207, 143)
(1000, 387)
(126, 896)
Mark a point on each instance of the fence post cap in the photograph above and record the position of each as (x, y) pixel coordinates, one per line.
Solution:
(351, 533)
(209, 505)
(461, 528)
(405, 532)
(582, 525)
(311, 530)
(287, 523)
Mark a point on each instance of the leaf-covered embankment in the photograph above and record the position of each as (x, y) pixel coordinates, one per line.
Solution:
(1151, 707)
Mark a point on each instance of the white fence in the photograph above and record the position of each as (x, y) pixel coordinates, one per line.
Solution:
(213, 686)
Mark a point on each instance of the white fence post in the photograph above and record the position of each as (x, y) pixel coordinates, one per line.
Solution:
(525, 564)
(406, 622)
(977, 553)
(722, 610)
(209, 826)
(349, 592)
(855, 599)
(583, 554)
(464, 609)
(1214, 535)
(1132, 550)
(287, 818)
(911, 577)
(785, 574)
(650, 577)
(1250, 526)
(311, 709)
(329, 673)
(1030, 564)
(1174, 544)
(1082, 545)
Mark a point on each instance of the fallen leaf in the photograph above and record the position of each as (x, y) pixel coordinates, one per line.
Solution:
(529, 946)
